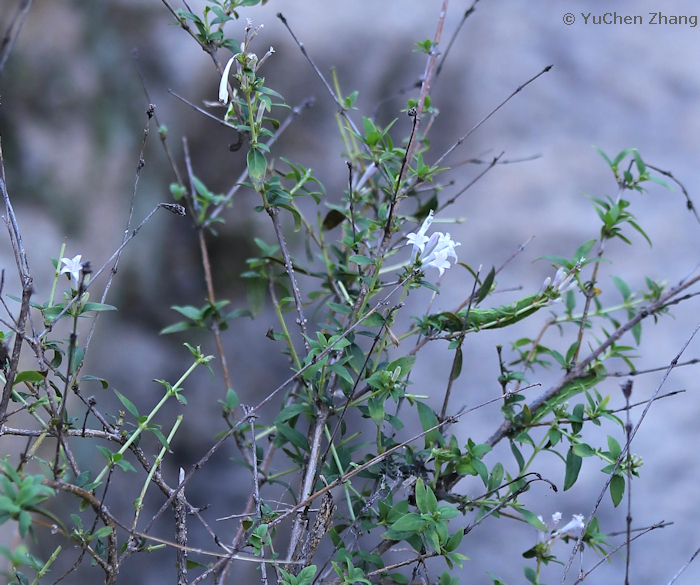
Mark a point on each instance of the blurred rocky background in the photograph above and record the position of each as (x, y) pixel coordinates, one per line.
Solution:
(72, 116)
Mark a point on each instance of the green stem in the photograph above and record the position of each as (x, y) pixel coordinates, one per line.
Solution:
(144, 424)
(138, 504)
(57, 274)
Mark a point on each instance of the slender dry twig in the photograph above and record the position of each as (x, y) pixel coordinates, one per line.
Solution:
(684, 567)
(627, 391)
(471, 183)
(13, 30)
(180, 511)
(498, 107)
(27, 290)
(301, 320)
(688, 201)
(206, 264)
(648, 371)
(582, 578)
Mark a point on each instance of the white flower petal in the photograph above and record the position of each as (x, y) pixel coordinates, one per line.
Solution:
(223, 84)
(73, 266)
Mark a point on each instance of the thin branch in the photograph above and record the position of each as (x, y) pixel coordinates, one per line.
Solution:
(493, 163)
(688, 201)
(13, 30)
(202, 111)
(644, 531)
(467, 14)
(498, 107)
(649, 371)
(180, 511)
(301, 320)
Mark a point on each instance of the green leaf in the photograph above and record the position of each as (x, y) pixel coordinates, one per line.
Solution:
(532, 519)
(257, 167)
(583, 450)
(128, 404)
(105, 383)
(617, 489)
(583, 250)
(427, 421)
(333, 218)
(614, 447)
(622, 286)
(573, 466)
(641, 167)
(189, 311)
(177, 327)
(376, 410)
(486, 286)
(409, 523)
(457, 365)
(98, 307)
(530, 575)
(294, 437)
(360, 260)
(29, 376)
(405, 363)
(619, 158)
(257, 290)
(605, 156)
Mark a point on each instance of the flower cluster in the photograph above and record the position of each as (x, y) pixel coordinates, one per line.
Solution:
(433, 251)
(564, 281)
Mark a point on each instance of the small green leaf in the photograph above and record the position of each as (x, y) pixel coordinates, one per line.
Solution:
(294, 437)
(573, 467)
(583, 450)
(127, 404)
(486, 286)
(530, 575)
(105, 383)
(428, 420)
(257, 167)
(98, 307)
(29, 376)
(532, 519)
(257, 290)
(617, 489)
(360, 260)
(622, 286)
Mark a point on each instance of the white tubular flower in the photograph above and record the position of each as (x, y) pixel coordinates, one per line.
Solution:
(223, 84)
(572, 528)
(556, 517)
(366, 176)
(265, 56)
(72, 267)
(419, 239)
